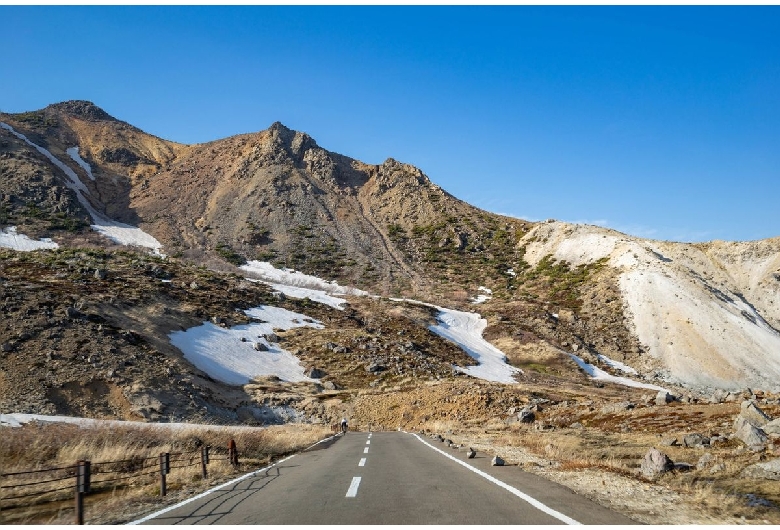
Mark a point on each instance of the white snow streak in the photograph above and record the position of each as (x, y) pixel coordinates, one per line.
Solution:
(289, 277)
(9, 238)
(600, 375)
(73, 152)
(616, 364)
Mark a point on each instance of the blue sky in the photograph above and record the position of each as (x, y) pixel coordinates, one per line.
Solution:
(659, 121)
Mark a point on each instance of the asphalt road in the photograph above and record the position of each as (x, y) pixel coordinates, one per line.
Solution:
(389, 478)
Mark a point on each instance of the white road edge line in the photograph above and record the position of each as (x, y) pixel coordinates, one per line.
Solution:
(212, 490)
(352, 491)
(365, 450)
(362, 462)
(527, 498)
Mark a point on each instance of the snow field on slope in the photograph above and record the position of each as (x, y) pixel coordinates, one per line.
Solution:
(221, 353)
(302, 292)
(73, 152)
(17, 420)
(9, 238)
(465, 330)
(118, 232)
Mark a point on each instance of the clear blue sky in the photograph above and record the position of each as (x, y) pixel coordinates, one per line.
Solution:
(661, 122)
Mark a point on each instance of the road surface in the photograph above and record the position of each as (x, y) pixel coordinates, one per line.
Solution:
(388, 478)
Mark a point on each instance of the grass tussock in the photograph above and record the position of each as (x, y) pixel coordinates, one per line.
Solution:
(125, 465)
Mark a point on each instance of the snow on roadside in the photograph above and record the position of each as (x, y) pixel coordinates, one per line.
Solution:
(9, 238)
(118, 232)
(17, 420)
(229, 354)
(73, 152)
(293, 278)
(600, 375)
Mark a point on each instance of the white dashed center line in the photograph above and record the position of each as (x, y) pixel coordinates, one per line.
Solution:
(365, 450)
(352, 491)
(368, 442)
(362, 462)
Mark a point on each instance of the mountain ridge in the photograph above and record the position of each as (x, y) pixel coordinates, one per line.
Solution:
(275, 195)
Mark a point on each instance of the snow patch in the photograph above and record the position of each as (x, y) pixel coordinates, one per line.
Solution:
(484, 297)
(9, 238)
(221, 353)
(73, 152)
(465, 330)
(293, 278)
(302, 292)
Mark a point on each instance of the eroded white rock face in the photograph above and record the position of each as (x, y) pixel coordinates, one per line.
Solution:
(707, 313)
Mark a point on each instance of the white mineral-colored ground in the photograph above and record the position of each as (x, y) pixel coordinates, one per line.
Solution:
(715, 327)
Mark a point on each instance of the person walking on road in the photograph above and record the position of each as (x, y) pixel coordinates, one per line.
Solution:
(344, 425)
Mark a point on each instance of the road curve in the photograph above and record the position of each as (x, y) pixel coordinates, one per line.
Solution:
(387, 478)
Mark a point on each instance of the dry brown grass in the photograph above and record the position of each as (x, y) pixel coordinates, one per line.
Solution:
(125, 465)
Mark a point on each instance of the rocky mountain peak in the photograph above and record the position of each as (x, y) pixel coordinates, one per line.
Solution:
(82, 109)
(294, 142)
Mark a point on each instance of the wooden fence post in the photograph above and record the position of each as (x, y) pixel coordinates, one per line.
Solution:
(165, 468)
(82, 487)
(233, 453)
(204, 459)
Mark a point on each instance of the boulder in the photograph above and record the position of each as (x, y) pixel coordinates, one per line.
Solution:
(773, 427)
(497, 461)
(526, 416)
(271, 337)
(315, 373)
(695, 440)
(663, 397)
(706, 460)
(757, 417)
(655, 463)
(259, 346)
(769, 470)
(751, 435)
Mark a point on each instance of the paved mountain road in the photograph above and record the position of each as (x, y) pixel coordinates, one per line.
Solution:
(388, 478)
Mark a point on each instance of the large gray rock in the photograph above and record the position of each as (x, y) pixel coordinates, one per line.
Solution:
(497, 461)
(655, 463)
(757, 417)
(526, 416)
(706, 461)
(314, 373)
(765, 470)
(663, 397)
(751, 435)
(773, 427)
(695, 440)
(259, 346)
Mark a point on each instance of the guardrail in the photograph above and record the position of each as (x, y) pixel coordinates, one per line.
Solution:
(58, 484)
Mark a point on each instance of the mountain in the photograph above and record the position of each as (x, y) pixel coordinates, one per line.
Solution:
(695, 316)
